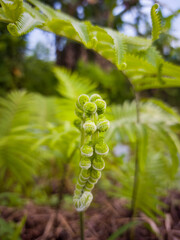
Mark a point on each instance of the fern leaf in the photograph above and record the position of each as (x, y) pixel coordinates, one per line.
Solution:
(70, 29)
(3, 17)
(158, 149)
(119, 48)
(136, 44)
(44, 8)
(166, 108)
(156, 22)
(34, 12)
(170, 141)
(81, 30)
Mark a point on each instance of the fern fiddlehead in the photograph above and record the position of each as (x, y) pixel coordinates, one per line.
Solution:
(92, 124)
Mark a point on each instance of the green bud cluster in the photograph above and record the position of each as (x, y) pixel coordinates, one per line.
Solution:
(92, 124)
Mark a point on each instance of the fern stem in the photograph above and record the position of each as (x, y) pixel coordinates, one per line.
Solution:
(81, 217)
(136, 172)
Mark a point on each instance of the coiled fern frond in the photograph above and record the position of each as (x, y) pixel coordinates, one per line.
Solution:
(23, 25)
(92, 124)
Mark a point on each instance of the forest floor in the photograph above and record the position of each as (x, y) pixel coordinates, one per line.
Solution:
(102, 219)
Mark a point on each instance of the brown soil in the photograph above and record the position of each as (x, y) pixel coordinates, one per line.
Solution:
(103, 218)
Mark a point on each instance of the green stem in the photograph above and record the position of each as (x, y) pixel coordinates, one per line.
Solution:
(136, 172)
(81, 217)
(81, 214)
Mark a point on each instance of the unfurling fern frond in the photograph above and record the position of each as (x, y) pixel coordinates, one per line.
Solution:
(23, 25)
(156, 22)
(92, 124)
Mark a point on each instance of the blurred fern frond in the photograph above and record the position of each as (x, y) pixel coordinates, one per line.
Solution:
(71, 85)
(16, 137)
(158, 151)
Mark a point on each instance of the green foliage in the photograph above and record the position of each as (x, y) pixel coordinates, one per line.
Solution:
(16, 137)
(111, 83)
(11, 199)
(10, 230)
(24, 72)
(114, 46)
(145, 75)
(31, 124)
(12, 9)
(122, 230)
(37, 73)
(158, 150)
(108, 43)
(71, 85)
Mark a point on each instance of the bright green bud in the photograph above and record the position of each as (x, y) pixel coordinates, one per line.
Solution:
(82, 99)
(98, 163)
(103, 125)
(89, 186)
(82, 181)
(90, 108)
(101, 148)
(78, 112)
(101, 117)
(101, 106)
(82, 184)
(92, 180)
(77, 123)
(89, 127)
(95, 174)
(94, 97)
(85, 174)
(86, 150)
(79, 187)
(85, 163)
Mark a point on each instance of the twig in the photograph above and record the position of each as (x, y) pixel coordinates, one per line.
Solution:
(66, 224)
(48, 227)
